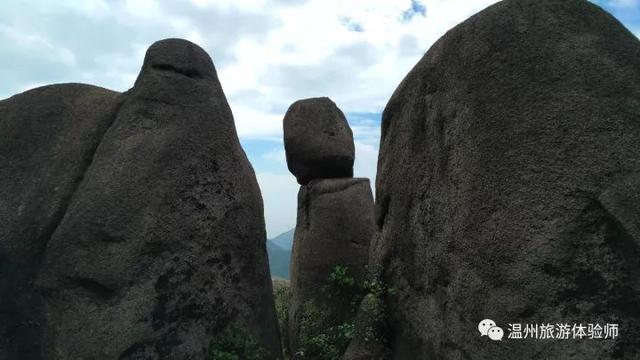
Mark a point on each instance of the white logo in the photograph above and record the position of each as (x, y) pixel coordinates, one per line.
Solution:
(545, 331)
(496, 333)
(487, 327)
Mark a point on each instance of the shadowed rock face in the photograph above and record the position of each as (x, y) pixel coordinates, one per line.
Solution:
(162, 244)
(47, 140)
(508, 184)
(334, 227)
(318, 140)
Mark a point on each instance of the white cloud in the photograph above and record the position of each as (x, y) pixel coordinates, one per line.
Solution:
(36, 44)
(366, 161)
(367, 132)
(316, 52)
(143, 8)
(252, 124)
(280, 196)
(355, 52)
(276, 155)
(93, 7)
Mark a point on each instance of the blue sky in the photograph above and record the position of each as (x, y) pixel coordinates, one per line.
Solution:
(268, 53)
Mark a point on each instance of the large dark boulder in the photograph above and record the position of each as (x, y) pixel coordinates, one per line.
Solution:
(509, 182)
(334, 227)
(318, 140)
(47, 139)
(159, 243)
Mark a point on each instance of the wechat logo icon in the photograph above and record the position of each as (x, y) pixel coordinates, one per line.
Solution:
(487, 327)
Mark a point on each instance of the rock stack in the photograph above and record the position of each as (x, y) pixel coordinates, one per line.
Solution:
(508, 186)
(132, 224)
(335, 211)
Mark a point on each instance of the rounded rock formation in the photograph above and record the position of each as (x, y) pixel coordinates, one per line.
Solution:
(160, 245)
(318, 141)
(47, 139)
(508, 185)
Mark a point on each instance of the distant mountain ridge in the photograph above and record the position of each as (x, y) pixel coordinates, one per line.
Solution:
(279, 251)
(284, 240)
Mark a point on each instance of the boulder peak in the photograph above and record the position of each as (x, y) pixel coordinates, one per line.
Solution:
(318, 140)
(180, 57)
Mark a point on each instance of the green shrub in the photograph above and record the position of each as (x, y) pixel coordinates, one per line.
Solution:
(339, 276)
(325, 331)
(317, 338)
(371, 321)
(235, 343)
(377, 288)
(282, 297)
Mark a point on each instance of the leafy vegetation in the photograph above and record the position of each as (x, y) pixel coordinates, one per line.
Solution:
(320, 342)
(356, 311)
(325, 333)
(235, 343)
(371, 326)
(339, 277)
(282, 297)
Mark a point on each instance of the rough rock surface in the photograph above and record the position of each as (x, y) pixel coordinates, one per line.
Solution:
(162, 244)
(508, 185)
(318, 140)
(334, 227)
(47, 138)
